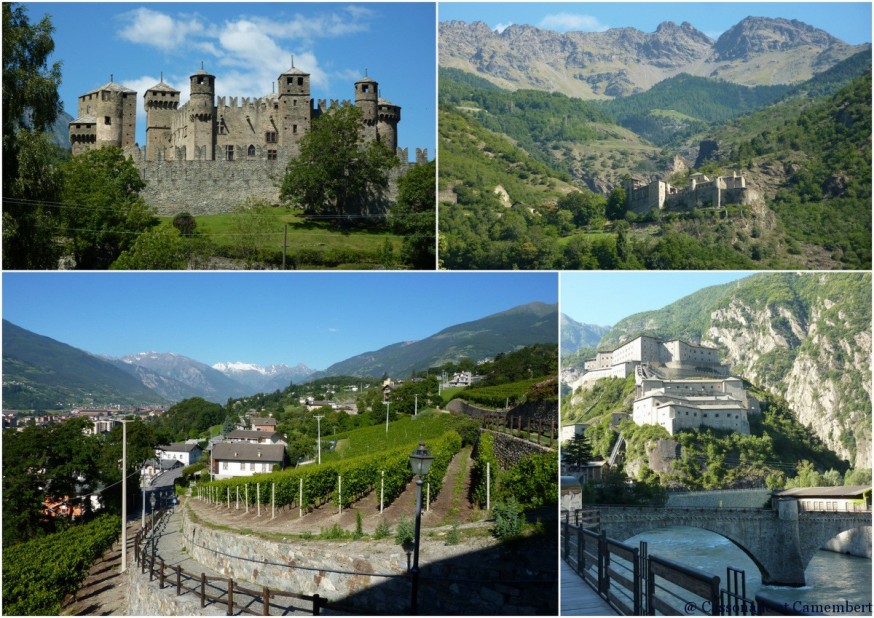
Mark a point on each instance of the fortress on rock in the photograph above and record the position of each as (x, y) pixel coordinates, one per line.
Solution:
(678, 385)
(212, 153)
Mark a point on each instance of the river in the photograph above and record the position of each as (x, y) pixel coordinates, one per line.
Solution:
(831, 578)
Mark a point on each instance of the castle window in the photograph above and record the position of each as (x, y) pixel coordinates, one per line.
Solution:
(289, 81)
(271, 137)
(229, 152)
(294, 103)
(300, 81)
(107, 120)
(223, 129)
(271, 155)
(294, 128)
(251, 151)
(365, 88)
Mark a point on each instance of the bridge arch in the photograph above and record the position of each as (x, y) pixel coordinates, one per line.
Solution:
(763, 569)
(816, 531)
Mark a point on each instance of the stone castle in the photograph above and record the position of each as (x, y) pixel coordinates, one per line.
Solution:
(678, 385)
(212, 153)
(702, 192)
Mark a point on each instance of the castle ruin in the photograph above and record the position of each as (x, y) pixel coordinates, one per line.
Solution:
(211, 153)
(702, 192)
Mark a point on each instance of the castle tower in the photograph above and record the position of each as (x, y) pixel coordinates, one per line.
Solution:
(367, 100)
(201, 118)
(295, 106)
(107, 117)
(160, 102)
(387, 125)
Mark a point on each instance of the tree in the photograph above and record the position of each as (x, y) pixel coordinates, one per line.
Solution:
(30, 105)
(251, 224)
(413, 216)
(616, 206)
(336, 175)
(185, 223)
(160, 248)
(577, 451)
(104, 213)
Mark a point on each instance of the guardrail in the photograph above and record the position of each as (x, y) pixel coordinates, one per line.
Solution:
(635, 583)
(210, 589)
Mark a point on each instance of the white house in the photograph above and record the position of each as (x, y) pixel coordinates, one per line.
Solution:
(254, 437)
(244, 459)
(179, 451)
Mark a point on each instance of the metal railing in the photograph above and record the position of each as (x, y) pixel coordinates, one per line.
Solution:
(211, 589)
(636, 583)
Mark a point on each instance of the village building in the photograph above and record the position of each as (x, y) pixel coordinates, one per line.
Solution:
(182, 452)
(231, 459)
(254, 436)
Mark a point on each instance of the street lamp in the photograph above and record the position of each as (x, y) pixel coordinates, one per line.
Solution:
(420, 461)
(152, 502)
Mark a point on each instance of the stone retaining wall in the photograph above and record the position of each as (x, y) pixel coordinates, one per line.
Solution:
(510, 450)
(477, 577)
(145, 598)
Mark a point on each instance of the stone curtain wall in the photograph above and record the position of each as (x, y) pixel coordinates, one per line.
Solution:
(215, 187)
(208, 187)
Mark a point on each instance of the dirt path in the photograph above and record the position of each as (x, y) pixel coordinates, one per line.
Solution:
(104, 592)
(451, 505)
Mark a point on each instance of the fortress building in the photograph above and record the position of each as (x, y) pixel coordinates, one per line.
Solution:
(678, 385)
(211, 153)
(702, 192)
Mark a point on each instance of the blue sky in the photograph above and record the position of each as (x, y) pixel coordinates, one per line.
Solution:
(604, 298)
(247, 45)
(849, 21)
(262, 318)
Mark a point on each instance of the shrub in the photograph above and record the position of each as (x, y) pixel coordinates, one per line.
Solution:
(509, 518)
(404, 534)
(452, 537)
(382, 530)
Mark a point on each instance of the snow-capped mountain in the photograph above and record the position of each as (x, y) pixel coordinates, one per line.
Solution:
(264, 379)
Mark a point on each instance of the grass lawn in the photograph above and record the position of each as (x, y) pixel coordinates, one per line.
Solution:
(306, 239)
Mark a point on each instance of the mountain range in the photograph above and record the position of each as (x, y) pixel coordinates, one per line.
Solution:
(623, 61)
(804, 336)
(576, 335)
(42, 373)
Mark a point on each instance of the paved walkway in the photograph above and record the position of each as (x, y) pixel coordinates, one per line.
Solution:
(578, 598)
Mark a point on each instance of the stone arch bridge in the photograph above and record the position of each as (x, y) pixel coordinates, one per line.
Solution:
(781, 542)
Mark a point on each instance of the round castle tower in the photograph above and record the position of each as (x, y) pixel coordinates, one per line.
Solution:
(387, 125)
(160, 102)
(201, 116)
(295, 106)
(367, 100)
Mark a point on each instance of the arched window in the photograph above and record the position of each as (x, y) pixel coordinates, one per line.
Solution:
(251, 151)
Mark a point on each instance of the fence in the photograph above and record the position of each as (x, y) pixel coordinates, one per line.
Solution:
(210, 589)
(636, 583)
(534, 430)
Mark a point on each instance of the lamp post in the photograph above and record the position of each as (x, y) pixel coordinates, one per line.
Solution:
(123, 496)
(387, 405)
(420, 461)
(152, 502)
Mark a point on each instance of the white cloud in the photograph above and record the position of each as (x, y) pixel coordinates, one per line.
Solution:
(252, 51)
(568, 22)
(148, 27)
(501, 27)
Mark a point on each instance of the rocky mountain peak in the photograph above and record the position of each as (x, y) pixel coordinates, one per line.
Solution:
(755, 35)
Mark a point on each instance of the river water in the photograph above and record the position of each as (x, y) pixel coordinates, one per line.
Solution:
(831, 578)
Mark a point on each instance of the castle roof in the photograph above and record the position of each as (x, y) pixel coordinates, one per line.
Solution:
(366, 78)
(294, 71)
(84, 120)
(163, 87)
(112, 87)
(382, 101)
